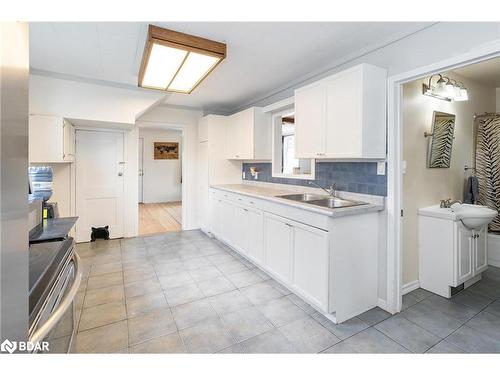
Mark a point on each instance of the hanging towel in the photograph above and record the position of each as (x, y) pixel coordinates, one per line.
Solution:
(471, 190)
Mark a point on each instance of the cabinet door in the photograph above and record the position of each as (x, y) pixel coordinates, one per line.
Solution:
(245, 131)
(46, 139)
(311, 263)
(215, 216)
(310, 122)
(463, 255)
(481, 251)
(344, 138)
(227, 226)
(232, 137)
(241, 229)
(68, 141)
(256, 236)
(277, 245)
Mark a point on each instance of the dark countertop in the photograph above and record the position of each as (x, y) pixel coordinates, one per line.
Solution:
(52, 229)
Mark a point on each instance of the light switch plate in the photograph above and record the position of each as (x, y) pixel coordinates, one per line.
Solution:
(243, 175)
(381, 167)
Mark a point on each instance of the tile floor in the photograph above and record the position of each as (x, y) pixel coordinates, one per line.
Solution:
(185, 293)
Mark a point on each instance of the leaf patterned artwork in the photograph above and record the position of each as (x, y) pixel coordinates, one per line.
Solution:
(442, 140)
(488, 164)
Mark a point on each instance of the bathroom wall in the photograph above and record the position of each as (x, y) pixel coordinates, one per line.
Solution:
(498, 99)
(422, 186)
(356, 177)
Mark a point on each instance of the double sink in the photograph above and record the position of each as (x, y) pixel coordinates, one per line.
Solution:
(321, 200)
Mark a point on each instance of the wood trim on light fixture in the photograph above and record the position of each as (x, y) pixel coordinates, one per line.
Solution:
(189, 43)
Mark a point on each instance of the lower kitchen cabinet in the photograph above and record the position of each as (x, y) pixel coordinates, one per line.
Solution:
(255, 221)
(277, 246)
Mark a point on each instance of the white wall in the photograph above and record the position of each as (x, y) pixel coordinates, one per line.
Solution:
(162, 178)
(86, 101)
(187, 121)
(498, 99)
(424, 186)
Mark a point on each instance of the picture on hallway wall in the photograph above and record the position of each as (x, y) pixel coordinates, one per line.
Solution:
(166, 150)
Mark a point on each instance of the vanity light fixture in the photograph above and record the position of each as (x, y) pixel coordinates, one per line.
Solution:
(445, 89)
(178, 62)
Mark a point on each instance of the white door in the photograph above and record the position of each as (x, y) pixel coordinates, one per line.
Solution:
(481, 251)
(463, 261)
(99, 182)
(310, 122)
(141, 170)
(277, 246)
(311, 263)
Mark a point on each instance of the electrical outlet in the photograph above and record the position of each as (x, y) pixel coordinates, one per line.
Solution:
(381, 167)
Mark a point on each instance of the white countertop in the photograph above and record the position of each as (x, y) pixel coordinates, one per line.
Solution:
(271, 193)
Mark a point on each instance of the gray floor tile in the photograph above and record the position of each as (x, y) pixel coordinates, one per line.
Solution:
(451, 308)
(229, 302)
(264, 275)
(196, 263)
(244, 278)
(308, 309)
(486, 323)
(494, 308)
(420, 294)
(279, 287)
(104, 295)
(444, 347)
(486, 287)
(272, 341)
(144, 272)
(408, 301)
(183, 294)
(205, 273)
(146, 302)
(106, 339)
(261, 293)
(233, 266)
(103, 268)
(101, 315)
(102, 281)
(308, 336)
(233, 349)
(373, 341)
(374, 316)
(281, 311)
(408, 334)
(219, 259)
(217, 285)
(246, 323)
(175, 279)
(340, 348)
(164, 344)
(472, 341)
(476, 301)
(492, 273)
(209, 336)
(192, 313)
(168, 268)
(139, 288)
(341, 330)
(150, 325)
(431, 319)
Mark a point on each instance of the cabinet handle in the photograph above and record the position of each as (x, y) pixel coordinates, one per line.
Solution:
(245, 210)
(290, 225)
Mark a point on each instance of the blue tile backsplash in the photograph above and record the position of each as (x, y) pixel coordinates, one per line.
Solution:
(356, 177)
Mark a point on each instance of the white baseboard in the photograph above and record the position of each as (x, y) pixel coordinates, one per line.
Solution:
(382, 303)
(494, 263)
(410, 287)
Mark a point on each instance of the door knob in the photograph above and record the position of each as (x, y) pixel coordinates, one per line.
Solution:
(120, 174)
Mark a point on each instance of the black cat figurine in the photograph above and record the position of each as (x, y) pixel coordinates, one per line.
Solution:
(101, 232)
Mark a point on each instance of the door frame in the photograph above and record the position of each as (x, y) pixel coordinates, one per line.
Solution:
(74, 175)
(141, 140)
(184, 173)
(395, 159)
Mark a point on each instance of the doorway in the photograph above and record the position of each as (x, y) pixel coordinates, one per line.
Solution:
(99, 182)
(160, 180)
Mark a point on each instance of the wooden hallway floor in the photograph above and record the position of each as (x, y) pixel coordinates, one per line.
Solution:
(160, 217)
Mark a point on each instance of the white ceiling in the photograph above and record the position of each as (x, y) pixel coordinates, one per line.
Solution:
(485, 72)
(261, 57)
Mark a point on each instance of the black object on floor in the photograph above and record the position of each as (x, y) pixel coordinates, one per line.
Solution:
(101, 232)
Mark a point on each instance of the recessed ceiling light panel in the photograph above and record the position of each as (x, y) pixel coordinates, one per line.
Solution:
(178, 62)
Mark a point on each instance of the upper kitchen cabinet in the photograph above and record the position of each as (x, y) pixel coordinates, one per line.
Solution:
(51, 139)
(248, 135)
(343, 116)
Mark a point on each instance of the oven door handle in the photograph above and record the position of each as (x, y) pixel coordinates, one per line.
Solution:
(65, 303)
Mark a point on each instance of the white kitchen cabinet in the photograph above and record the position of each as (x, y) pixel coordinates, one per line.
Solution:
(278, 246)
(51, 139)
(450, 254)
(248, 135)
(227, 222)
(215, 224)
(255, 235)
(343, 116)
(311, 263)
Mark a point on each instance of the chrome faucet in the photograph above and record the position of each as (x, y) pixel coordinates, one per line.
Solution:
(447, 203)
(332, 190)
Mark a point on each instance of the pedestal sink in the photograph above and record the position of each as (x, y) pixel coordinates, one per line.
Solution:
(473, 216)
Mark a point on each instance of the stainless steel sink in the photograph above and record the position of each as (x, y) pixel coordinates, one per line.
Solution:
(321, 200)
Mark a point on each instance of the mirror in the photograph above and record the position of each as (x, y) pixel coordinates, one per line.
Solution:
(284, 162)
(441, 141)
